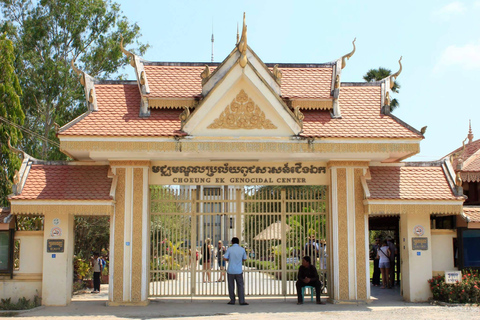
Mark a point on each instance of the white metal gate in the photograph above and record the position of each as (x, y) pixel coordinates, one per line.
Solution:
(276, 225)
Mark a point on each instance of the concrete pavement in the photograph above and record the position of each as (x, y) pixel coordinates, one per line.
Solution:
(386, 304)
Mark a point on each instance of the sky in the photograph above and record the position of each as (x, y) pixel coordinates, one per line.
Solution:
(439, 42)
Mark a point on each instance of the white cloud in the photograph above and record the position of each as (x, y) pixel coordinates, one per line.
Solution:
(448, 11)
(466, 57)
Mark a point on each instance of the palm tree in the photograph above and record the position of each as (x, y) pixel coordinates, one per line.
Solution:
(379, 74)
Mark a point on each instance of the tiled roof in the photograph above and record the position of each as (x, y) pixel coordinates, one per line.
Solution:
(183, 81)
(361, 117)
(66, 182)
(119, 105)
(118, 115)
(470, 150)
(472, 213)
(174, 81)
(409, 183)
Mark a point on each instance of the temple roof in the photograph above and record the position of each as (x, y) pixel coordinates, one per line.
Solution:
(182, 80)
(66, 182)
(409, 183)
(472, 213)
(119, 105)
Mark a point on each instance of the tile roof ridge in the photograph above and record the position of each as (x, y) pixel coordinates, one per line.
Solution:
(406, 125)
(434, 163)
(216, 64)
(73, 122)
(361, 84)
(68, 163)
(125, 82)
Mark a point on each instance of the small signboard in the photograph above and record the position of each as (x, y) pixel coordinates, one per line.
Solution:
(420, 243)
(55, 245)
(453, 276)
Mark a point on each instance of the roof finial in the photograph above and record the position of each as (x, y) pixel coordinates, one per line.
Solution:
(212, 40)
(242, 44)
(238, 35)
(470, 133)
(396, 74)
(348, 55)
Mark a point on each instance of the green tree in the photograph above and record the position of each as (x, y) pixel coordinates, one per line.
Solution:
(48, 34)
(379, 74)
(92, 234)
(11, 110)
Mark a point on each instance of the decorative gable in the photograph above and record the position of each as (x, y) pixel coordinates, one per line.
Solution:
(242, 113)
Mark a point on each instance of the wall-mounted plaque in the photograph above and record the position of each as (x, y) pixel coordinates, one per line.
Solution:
(55, 245)
(420, 243)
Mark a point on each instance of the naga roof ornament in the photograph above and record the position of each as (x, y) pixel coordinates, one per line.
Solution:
(242, 45)
(348, 55)
(394, 76)
(80, 73)
(127, 53)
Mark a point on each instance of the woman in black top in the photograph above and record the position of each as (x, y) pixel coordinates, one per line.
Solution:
(207, 260)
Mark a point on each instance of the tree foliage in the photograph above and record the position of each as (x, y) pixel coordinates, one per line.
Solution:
(92, 234)
(10, 109)
(379, 74)
(48, 34)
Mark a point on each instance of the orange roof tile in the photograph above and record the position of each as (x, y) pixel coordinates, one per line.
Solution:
(183, 81)
(118, 115)
(470, 150)
(472, 213)
(361, 117)
(66, 182)
(409, 183)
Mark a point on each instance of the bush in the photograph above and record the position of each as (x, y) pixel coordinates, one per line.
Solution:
(466, 291)
(22, 303)
(260, 265)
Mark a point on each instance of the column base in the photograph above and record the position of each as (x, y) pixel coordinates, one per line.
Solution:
(128, 303)
(356, 302)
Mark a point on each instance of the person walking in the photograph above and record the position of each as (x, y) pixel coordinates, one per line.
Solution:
(235, 256)
(96, 262)
(221, 250)
(393, 253)
(376, 260)
(207, 260)
(383, 254)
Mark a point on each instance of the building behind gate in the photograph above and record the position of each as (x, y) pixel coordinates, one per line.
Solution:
(271, 153)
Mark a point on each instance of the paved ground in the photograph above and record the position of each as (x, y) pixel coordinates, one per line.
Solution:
(387, 304)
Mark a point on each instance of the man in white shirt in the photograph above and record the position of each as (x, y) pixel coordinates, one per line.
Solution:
(235, 256)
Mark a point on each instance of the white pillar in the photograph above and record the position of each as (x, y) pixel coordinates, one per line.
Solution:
(58, 266)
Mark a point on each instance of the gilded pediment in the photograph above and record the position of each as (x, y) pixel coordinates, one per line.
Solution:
(242, 113)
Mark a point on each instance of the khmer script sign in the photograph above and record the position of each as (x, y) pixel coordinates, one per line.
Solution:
(239, 173)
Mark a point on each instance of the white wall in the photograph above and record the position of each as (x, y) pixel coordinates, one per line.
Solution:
(442, 251)
(27, 281)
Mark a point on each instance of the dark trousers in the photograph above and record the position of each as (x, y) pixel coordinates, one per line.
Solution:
(376, 272)
(231, 279)
(96, 281)
(391, 276)
(317, 285)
